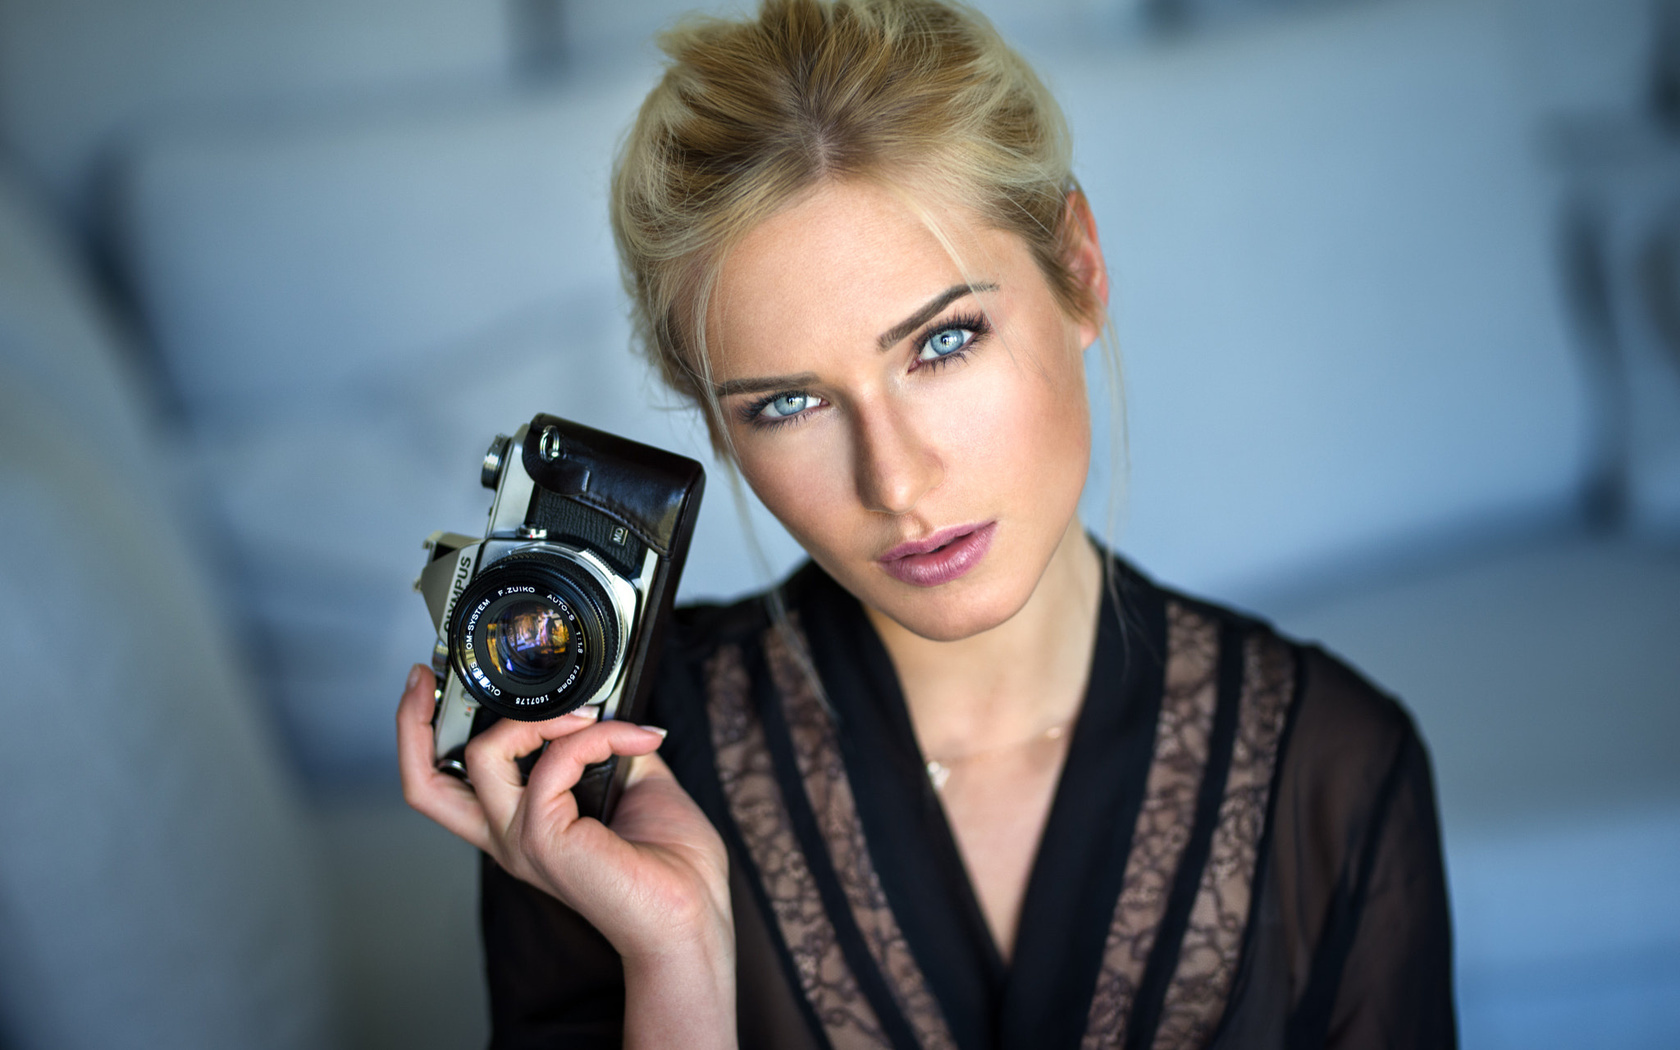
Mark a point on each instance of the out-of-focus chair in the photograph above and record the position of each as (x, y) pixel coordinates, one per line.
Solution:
(157, 884)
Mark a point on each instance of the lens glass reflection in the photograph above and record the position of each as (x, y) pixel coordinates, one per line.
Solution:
(528, 640)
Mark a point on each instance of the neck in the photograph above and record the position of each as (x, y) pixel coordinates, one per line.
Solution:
(1015, 681)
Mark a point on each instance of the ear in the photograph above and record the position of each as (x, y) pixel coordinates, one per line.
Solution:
(1085, 260)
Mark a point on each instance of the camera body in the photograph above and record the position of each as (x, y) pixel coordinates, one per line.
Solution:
(564, 602)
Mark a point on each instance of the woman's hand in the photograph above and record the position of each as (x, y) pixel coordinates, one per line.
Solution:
(655, 884)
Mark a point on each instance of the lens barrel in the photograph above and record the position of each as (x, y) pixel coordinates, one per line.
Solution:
(533, 636)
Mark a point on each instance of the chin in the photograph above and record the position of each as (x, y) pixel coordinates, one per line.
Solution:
(949, 613)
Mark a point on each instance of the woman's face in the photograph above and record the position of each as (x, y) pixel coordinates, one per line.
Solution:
(924, 439)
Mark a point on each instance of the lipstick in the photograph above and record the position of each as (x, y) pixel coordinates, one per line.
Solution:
(940, 558)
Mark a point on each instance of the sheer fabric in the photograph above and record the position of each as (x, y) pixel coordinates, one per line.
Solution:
(1242, 851)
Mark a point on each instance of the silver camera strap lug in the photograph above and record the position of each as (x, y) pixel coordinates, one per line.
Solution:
(550, 444)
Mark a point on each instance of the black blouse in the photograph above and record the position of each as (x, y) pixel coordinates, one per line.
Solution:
(1242, 851)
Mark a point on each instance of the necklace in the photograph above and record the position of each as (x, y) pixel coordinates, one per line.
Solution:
(939, 770)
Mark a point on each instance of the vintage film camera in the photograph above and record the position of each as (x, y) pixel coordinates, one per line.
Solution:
(564, 601)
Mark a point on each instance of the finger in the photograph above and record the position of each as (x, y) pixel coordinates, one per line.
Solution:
(437, 795)
(522, 738)
(560, 767)
(647, 767)
(492, 760)
(418, 697)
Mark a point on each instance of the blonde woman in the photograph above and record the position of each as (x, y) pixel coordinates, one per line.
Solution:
(965, 779)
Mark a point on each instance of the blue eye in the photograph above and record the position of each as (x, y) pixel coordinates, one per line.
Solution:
(784, 405)
(776, 410)
(945, 342)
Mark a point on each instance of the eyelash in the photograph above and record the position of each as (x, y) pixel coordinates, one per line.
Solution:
(975, 324)
(751, 413)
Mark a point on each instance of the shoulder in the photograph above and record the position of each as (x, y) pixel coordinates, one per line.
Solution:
(1342, 733)
(1339, 704)
(693, 640)
(1334, 691)
(1349, 928)
(706, 656)
(699, 630)
(1330, 757)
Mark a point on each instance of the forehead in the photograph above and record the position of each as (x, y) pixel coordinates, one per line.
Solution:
(841, 264)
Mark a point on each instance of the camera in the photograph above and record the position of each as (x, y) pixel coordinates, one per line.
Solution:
(564, 601)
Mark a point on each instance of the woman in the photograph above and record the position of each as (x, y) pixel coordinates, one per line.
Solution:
(965, 779)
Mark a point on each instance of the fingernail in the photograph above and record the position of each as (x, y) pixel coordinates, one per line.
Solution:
(663, 733)
(413, 678)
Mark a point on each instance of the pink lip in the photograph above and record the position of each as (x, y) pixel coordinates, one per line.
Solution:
(939, 558)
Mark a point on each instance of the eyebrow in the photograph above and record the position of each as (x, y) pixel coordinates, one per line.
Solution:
(886, 341)
(763, 383)
(891, 336)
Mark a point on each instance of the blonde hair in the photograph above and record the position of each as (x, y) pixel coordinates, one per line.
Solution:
(913, 94)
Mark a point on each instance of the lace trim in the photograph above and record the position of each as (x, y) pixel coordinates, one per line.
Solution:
(755, 802)
(1207, 958)
(1190, 693)
(823, 771)
(1196, 995)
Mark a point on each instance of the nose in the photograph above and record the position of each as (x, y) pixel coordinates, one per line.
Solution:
(895, 466)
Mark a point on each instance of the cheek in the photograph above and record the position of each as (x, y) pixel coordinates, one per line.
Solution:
(802, 479)
(1031, 415)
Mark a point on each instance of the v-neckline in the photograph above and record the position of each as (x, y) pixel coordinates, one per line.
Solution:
(1040, 997)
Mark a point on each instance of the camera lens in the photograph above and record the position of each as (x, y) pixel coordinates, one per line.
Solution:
(534, 635)
(528, 640)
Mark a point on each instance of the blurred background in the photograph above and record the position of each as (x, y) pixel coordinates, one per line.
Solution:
(1398, 292)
